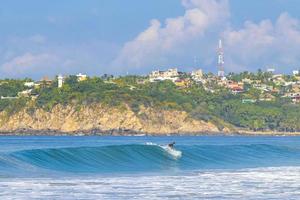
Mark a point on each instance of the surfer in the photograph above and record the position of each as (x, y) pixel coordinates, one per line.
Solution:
(171, 145)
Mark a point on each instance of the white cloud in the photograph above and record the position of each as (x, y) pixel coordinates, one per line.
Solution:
(172, 42)
(255, 45)
(27, 62)
(37, 56)
(159, 43)
(264, 44)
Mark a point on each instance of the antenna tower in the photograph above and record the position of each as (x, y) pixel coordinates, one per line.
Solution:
(221, 62)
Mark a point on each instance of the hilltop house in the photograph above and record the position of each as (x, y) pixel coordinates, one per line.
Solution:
(45, 81)
(296, 72)
(29, 84)
(235, 87)
(60, 81)
(197, 75)
(170, 74)
(294, 96)
(278, 79)
(263, 87)
(183, 82)
(25, 93)
(81, 77)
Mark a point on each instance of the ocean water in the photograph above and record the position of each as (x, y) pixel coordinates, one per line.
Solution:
(204, 167)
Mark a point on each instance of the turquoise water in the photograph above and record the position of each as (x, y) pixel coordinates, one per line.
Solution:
(207, 167)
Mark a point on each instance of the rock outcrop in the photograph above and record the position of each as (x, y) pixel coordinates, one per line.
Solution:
(85, 119)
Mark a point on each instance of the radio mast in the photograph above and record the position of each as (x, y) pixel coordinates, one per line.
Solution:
(221, 62)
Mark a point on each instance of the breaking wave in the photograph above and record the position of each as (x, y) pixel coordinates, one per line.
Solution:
(149, 157)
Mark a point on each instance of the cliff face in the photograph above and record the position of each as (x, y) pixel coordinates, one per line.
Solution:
(98, 117)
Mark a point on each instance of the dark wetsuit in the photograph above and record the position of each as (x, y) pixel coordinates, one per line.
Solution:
(171, 145)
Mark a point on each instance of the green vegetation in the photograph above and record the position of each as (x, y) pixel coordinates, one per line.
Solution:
(220, 106)
(10, 87)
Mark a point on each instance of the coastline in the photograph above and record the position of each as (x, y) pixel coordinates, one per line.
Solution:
(127, 132)
(101, 120)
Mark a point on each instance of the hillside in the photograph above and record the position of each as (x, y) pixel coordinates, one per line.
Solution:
(135, 104)
(97, 119)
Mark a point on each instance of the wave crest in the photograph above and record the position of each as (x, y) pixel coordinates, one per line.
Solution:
(151, 157)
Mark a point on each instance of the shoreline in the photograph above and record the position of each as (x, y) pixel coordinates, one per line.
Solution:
(127, 132)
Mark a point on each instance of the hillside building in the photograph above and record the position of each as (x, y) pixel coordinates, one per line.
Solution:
(44, 82)
(81, 77)
(29, 84)
(170, 74)
(235, 87)
(197, 75)
(60, 81)
(296, 72)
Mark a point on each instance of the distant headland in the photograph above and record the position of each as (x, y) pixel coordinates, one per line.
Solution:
(163, 102)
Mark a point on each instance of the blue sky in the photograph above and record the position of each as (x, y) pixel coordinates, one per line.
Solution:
(44, 38)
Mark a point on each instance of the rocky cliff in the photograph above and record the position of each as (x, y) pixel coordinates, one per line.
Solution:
(98, 118)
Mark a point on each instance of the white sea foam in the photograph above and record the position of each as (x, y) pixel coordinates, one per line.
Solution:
(172, 151)
(261, 183)
(151, 144)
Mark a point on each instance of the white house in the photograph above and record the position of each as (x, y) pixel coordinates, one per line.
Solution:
(60, 79)
(197, 75)
(81, 77)
(25, 93)
(170, 74)
(296, 72)
(29, 84)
